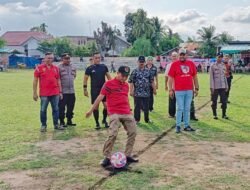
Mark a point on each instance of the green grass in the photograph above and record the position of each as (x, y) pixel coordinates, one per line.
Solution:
(19, 126)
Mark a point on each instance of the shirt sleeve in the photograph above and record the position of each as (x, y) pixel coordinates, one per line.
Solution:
(88, 71)
(211, 78)
(37, 72)
(105, 89)
(107, 69)
(171, 72)
(132, 77)
(151, 77)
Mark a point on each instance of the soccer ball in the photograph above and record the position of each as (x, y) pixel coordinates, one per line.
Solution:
(118, 160)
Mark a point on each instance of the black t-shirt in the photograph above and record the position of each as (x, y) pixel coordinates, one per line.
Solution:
(97, 74)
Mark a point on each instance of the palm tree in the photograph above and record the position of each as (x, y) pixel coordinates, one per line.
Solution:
(142, 26)
(207, 34)
(43, 27)
(224, 38)
(209, 41)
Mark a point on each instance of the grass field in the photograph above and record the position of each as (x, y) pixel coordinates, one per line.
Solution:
(216, 156)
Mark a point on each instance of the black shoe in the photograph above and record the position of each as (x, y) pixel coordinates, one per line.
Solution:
(69, 123)
(178, 129)
(60, 128)
(225, 117)
(105, 162)
(149, 121)
(215, 117)
(194, 119)
(98, 127)
(189, 129)
(228, 102)
(106, 125)
(131, 160)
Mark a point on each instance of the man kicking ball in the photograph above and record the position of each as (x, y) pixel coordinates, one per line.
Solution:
(116, 93)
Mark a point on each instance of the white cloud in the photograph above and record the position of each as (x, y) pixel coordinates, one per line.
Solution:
(237, 14)
(185, 16)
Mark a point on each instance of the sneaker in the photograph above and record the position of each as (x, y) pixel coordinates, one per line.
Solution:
(149, 121)
(60, 128)
(189, 129)
(69, 123)
(43, 129)
(194, 119)
(170, 116)
(98, 127)
(105, 162)
(106, 125)
(225, 117)
(178, 129)
(132, 160)
(215, 117)
(63, 125)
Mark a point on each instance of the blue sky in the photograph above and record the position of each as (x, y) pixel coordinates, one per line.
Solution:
(81, 17)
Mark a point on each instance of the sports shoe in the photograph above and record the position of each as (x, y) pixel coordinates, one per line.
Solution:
(178, 129)
(43, 129)
(215, 117)
(105, 162)
(225, 117)
(58, 127)
(97, 127)
(132, 160)
(69, 123)
(189, 129)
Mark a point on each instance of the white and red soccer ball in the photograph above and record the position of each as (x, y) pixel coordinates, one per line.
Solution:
(118, 160)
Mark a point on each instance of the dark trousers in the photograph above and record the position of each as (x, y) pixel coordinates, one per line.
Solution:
(68, 102)
(229, 82)
(140, 102)
(172, 106)
(151, 100)
(222, 93)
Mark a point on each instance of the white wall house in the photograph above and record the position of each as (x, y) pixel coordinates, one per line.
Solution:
(25, 42)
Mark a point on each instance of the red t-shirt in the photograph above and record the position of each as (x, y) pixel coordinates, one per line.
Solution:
(183, 73)
(48, 79)
(116, 94)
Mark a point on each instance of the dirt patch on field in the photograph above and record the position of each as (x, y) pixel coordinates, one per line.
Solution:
(177, 156)
(191, 160)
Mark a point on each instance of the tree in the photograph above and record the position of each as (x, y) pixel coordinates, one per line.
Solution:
(209, 41)
(129, 25)
(58, 46)
(142, 25)
(42, 28)
(141, 46)
(105, 37)
(169, 42)
(2, 43)
(224, 38)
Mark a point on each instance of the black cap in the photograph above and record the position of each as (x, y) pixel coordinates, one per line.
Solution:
(65, 55)
(141, 59)
(220, 54)
(124, 70)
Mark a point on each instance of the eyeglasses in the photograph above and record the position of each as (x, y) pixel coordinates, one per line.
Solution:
(97, 57)
(66, 58)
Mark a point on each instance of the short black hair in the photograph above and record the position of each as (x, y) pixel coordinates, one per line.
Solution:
(48, 53)
(95, 53)
(64, 55)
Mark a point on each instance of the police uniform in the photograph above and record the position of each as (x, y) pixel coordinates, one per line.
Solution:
(67, 76)
(219, 85)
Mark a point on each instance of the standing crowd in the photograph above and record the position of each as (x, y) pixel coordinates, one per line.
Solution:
(56, 86)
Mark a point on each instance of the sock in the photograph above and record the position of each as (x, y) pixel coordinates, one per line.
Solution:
(105, 114)
(96, 116)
